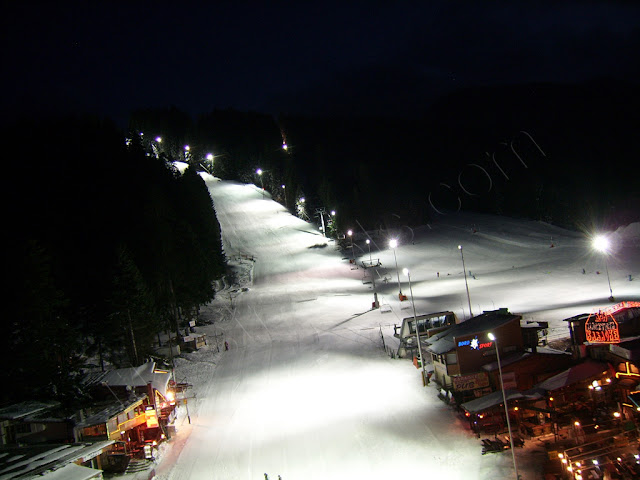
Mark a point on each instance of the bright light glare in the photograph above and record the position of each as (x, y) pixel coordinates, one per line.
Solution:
(393, 243)
(491, 336)
(350, 233)
(333, 212)
(459, 247)
(210, 156)
(368, 241)
(259, 171)
(405, 271)
(187, 148)
(159, 139)
(601, 243)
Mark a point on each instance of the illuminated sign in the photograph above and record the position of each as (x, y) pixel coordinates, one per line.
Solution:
(470, 382)
(619, 306)
(152, 418)
(474, 343)
(601, 327)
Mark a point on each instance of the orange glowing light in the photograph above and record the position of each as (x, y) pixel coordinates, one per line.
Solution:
(601, 327)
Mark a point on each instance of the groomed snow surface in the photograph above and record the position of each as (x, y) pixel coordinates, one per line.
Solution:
(307, 391)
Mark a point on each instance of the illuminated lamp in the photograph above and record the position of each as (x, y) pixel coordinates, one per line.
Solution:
(601, 243)
(393, 243)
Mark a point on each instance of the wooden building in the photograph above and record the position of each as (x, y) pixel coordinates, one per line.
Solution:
(427, 325)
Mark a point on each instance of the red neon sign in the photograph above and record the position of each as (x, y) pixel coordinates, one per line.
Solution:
(602, 328)
(619, 306)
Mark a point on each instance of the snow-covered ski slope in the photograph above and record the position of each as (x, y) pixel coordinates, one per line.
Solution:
(306, 390)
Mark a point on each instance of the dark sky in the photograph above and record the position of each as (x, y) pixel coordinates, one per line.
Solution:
(314, 57)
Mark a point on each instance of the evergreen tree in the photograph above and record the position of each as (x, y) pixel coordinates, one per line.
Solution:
(42, 344)
(132, 323)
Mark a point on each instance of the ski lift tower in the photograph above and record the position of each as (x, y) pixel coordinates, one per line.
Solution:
(321, 213)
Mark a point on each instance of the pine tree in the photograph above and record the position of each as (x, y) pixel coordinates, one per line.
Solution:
(132, 321)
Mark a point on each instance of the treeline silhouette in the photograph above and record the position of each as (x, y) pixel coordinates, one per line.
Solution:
(564, 154)
(107, 247)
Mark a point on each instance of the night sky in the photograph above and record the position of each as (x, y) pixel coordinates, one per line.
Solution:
(301, 57)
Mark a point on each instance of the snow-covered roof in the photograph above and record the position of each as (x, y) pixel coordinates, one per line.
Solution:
(443, 342)
(37, 459)
(493, 399)
(139, 376)
(577, 373)
(110, 411)
(72, 472)
(24, 409)
(517, 356)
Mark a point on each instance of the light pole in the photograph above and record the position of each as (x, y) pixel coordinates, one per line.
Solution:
(350, 233)
(369, 245)
(466, 284)
(334, 225)
(493, 338)
(301, 210)
(601, 244)
(393, 243)
(284, 192)
(259, 172)
(186, 153)
(156, 146)
(210, 158)
(415, 319)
